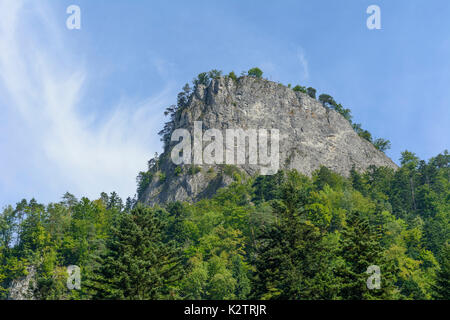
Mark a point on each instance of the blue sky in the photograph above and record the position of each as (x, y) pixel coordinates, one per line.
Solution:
(80, 109)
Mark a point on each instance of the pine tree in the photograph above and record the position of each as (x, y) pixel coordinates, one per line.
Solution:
(138, 264)
(293, 261)
(442, 286)
(360, 249)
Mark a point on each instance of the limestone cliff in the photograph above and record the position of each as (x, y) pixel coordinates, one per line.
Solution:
(310, 135)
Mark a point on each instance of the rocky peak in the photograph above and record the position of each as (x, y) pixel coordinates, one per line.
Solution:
(310, 135)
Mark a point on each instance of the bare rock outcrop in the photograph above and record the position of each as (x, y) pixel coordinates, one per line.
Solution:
(23, 288)
(310, 135)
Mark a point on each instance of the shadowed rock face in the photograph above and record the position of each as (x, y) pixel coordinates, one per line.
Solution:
(310, 135)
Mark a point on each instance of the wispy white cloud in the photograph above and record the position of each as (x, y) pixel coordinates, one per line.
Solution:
(303, 63)
(41, 94)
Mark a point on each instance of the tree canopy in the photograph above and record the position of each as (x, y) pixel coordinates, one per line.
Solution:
(286, 236)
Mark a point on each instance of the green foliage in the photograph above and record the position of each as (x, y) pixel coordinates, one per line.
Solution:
(174, 111)
(48, 239)
(193, 170)
(214, 74)
(266, 188)
(366, 135)
(311, 92)
(230, 170)
(327, 100)
(285, 236)
(298, 88)
(162, 177)
(382, 144)
(325, 176)
(232, 76)
(143, 180)
(442, 286)
(361, 132)
(294, 261)
(255, 72)
(361, 249)
(202, 79)
(178, 170)
(346, 113)
(205, 78)
(138, 264)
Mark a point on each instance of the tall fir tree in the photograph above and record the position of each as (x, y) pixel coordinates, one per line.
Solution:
(138, 264)
(360, 249)
(442, 286)
(293, 260)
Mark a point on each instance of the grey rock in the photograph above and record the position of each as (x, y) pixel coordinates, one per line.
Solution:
(23, 288)
(311, 135)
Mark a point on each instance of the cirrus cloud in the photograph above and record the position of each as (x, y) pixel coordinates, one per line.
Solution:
(49, 143)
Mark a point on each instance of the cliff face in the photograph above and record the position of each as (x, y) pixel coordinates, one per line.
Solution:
(310, 135)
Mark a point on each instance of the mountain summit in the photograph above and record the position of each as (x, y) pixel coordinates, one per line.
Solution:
(310, 135)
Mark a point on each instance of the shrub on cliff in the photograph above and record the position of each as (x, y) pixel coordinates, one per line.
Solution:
(255, 72)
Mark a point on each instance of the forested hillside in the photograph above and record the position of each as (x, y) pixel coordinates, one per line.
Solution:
(285, 236)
